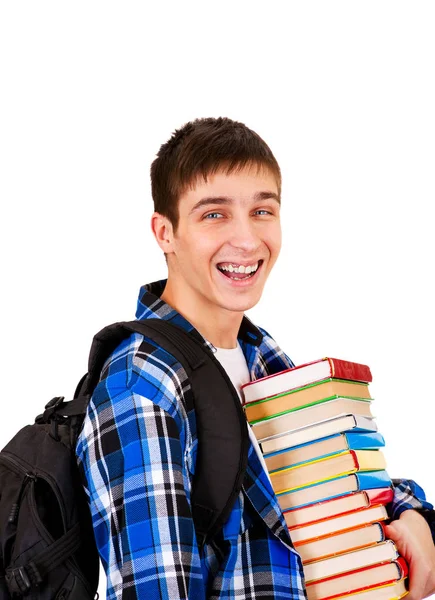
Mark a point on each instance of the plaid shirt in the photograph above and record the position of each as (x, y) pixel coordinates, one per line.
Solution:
(137, 453)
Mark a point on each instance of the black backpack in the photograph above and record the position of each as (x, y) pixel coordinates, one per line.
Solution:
(47, 547)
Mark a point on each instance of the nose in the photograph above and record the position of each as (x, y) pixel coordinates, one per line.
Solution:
(244, 235)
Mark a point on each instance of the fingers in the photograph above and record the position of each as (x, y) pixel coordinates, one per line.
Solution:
(418, 572)
(417, 582)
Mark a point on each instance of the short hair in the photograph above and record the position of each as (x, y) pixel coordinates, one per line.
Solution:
(201, 148)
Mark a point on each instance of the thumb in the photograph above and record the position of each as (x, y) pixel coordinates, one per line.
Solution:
(393, 532)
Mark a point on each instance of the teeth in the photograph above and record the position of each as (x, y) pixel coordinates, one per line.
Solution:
(240, 268)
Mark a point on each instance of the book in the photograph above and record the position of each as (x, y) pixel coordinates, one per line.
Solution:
(309, 395)
(337, 506)
(358, 581)
(305, 374)
(321, 429)
(390, 591)
(343, 541)
(332, 488)
(328, 467)
(350, 561)
(323, 447)
(339, 523)
(309, 416)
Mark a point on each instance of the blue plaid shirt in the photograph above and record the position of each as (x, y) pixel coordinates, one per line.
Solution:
(137, 453)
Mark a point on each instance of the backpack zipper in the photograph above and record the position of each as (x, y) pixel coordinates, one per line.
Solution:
(17, 467)
(29, 475)
(13, 515)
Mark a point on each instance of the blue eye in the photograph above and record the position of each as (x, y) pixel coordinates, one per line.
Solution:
(212, 216)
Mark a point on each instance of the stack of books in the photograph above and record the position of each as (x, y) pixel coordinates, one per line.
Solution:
(320, 442)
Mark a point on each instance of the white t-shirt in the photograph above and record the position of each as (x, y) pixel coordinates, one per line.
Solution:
(234, 362)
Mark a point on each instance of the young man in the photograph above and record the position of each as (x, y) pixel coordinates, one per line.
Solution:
(217, 192)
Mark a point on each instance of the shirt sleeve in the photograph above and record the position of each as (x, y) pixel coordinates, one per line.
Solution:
(133, 463)
(409, 495)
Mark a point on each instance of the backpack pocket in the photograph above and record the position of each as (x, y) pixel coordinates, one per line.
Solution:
(14, 480)
(31, 514)
(32, 518)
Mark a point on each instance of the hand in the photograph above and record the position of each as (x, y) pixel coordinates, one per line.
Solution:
(414, 542)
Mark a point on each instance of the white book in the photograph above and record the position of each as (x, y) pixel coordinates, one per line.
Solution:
(306, 417)
(343, 422)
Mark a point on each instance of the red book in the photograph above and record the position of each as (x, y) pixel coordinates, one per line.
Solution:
(305, 374)
(358, 580)
(337, 506)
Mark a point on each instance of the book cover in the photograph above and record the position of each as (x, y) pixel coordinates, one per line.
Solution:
(334, 488)
(303, 375)
(307, 417)
(329, 467)
(313, 432)
(337, 506)
(335, 524)
(357, 581)
(306, 396)
(323, 447)
(390, 591)
(352, 539)
(350, 561)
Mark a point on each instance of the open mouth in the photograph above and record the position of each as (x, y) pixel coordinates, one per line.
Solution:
(232, 272)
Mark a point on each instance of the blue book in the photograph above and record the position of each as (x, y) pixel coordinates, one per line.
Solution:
(332, 488)
(320, 448)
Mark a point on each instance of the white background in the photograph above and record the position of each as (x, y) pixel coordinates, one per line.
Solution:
(343, 93)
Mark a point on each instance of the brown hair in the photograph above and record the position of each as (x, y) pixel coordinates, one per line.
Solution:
(200, 148)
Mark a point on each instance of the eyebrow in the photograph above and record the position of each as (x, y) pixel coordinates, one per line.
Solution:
(225, 200)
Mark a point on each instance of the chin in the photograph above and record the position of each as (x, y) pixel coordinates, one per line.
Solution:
(242, 305)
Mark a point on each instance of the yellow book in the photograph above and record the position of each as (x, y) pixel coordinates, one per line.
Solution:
(326, 468)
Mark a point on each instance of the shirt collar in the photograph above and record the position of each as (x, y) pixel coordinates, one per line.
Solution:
(150, 305)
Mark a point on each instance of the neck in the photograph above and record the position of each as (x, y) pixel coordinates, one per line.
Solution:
(217, 325)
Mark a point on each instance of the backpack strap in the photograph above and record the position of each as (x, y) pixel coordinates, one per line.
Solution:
(22, 578)
(223, 438)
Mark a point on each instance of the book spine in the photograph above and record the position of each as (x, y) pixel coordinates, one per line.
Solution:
(383, 535)
(402, 567)
(393, 549)
(373, 479)
(364, 441)
(379, 496)
(355, 459)
(344, 369)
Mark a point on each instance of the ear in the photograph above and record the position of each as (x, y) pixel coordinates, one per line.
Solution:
(162, 230)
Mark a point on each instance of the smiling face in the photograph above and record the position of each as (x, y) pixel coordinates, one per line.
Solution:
(227, 225)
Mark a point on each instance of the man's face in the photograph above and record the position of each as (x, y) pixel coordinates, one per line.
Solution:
(230, 221)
